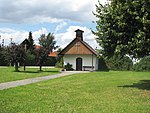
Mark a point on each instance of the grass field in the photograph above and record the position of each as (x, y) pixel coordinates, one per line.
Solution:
(8, 74)
(97, 92)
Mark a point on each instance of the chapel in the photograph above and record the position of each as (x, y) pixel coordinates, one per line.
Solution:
(80, 54)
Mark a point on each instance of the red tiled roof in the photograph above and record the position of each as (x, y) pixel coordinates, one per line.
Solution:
(53, 54)
(37, 46)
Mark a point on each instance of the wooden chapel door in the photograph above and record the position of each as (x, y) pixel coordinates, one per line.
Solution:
(79, 64)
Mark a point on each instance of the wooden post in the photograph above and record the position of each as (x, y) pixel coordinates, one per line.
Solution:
(25, 48)
(62, 61)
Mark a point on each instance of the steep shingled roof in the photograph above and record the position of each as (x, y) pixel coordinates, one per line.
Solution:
(71, 44)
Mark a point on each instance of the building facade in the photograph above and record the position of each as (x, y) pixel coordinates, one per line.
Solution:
(80, 54)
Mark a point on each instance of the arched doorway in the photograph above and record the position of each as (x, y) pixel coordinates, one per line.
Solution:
(79, 64)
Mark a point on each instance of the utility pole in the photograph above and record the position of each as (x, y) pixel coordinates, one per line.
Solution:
(0, 40)
(11, 41)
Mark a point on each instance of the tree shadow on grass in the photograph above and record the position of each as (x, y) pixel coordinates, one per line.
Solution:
(27, 71)
(52, 71)
(142, 84)
(36, 71)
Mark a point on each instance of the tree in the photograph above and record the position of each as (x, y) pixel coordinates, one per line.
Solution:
(28, 45)
(16, 54)
(47, 45)
(48, 41)
(123, 27)
(41, 55)
(3, 61)
(31, 42)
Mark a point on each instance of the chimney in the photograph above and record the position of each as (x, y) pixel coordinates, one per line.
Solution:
(79, 34)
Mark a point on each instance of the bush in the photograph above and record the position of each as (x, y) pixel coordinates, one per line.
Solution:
(30, 59)
(51, 61)
(143, 65)
(68, 67)
(60, 62)
(102, 65)
(3, 54)
(119, 63)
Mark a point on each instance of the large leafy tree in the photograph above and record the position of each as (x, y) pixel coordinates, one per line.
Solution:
(47, 43)
(123, 27)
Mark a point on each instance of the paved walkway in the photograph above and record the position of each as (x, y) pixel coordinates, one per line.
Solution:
(11, 84)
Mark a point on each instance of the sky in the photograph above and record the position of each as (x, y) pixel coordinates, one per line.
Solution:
(60, 17)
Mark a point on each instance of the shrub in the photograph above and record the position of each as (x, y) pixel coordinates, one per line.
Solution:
(119, 63)
(4, 60)
(143, 64)
(102, 65)
(68, 67)
(51, 61)
(30, 59)
(60, 63)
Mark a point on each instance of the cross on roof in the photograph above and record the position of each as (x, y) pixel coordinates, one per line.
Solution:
(77, 45)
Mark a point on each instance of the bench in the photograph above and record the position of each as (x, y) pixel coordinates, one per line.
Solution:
(88, 68)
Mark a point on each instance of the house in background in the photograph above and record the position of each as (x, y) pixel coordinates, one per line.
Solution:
(25, 44)
(80, 54)
(52, 56)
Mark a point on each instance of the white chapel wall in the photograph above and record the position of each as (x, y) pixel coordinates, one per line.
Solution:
(86, 60)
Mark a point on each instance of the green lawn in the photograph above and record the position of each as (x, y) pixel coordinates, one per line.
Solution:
(8, 74)
(97, 92)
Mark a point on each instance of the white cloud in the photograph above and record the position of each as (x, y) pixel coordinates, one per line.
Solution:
(63, 39)
(37, 11)
(60, 26)
(37, 34)
(7, 30)
(19, 36)
(101, 1)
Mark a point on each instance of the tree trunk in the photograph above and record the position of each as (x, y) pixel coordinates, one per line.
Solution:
(40, 67)
(16, 66)
(24, 65)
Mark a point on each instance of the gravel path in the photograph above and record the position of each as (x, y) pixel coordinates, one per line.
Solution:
(11, 84)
